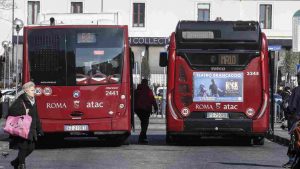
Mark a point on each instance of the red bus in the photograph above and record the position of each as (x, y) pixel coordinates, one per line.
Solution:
(218, 80)
(83, 78)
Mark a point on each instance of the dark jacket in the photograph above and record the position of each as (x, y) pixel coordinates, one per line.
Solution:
(18, 109)
(144, 99)
(294, 101)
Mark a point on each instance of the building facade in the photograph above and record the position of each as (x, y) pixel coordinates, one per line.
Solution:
(151, 22)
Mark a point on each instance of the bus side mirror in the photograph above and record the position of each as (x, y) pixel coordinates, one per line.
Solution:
(163, 59)
(131, 58)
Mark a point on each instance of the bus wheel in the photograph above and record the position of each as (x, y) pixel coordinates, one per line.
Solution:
(259, 140)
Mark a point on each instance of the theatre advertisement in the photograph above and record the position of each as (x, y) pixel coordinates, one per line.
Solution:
(218, 86)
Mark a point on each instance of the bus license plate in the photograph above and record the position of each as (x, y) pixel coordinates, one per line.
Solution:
(217, 115)
(76, 127)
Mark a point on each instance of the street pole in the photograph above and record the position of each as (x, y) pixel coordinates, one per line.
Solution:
(4, 73)
(276, 55)
(17, 67)
(18, 25)
(165, 77)
(136, 74)
(9, 48)
(5, 45)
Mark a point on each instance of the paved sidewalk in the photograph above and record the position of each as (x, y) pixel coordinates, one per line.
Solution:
(280, 136)
(4, 145)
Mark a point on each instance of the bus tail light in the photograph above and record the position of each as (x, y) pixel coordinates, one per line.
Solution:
(111, 113)
(186, 100)
(182, 74)
(121, 105)
(184, 88)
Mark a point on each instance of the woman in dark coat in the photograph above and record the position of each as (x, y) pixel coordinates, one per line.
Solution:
(26, 146)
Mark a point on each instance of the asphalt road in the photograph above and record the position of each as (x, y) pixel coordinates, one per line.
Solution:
(202, 154)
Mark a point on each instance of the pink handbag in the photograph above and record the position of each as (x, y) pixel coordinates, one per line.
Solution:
(18, 125)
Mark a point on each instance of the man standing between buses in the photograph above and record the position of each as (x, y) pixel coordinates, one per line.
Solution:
(143, 102)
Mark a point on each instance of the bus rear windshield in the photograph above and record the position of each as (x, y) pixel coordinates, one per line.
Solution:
(75, 57)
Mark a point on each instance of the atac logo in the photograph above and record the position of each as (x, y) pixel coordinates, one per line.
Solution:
(76, 94)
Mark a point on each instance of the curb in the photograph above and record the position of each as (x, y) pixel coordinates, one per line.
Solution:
(277, 139)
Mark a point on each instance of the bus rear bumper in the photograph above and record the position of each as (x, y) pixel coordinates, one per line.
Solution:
(213, 127)
(95, 127)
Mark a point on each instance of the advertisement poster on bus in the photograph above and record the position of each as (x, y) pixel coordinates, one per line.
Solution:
(218, 86)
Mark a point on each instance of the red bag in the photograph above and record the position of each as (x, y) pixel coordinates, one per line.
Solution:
(18, 125)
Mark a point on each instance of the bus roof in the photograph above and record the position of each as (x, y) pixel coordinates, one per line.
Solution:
(218, 35)
(75, 26)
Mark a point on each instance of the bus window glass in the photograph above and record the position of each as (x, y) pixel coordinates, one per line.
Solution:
(98, 64)
(76, 56)
(46, 57)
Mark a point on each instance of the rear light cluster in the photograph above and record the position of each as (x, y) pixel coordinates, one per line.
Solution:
(121, 105)
(184, 90)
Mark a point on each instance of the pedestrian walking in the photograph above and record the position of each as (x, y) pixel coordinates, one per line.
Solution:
(25, 103)
(293, 115)
(143, 102)
(285, 94)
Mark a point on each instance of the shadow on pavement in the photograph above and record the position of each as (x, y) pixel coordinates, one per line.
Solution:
(249, 164)
(154, 140)
(160, 140)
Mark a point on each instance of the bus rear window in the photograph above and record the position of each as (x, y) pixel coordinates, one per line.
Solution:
(77, 56)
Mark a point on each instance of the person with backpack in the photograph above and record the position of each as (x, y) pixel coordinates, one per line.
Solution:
(143, 102)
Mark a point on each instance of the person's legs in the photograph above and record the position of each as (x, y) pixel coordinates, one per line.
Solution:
(23, 146)
(139, 113)
(290, 153)
(144, 124)
(144, 118)
(30, 148)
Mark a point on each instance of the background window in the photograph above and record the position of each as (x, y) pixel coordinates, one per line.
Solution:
(138, 14)
(265, 16)
(203, 12)
(76, 7)
(33, 12)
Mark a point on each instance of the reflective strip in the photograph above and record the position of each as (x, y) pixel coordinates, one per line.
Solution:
(109, 132)
(171, 106)
(264, 106)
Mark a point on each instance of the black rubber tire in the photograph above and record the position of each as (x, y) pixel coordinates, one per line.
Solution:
(259, 140)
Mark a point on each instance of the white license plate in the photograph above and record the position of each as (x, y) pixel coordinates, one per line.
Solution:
(76, 127)
(217, 115)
